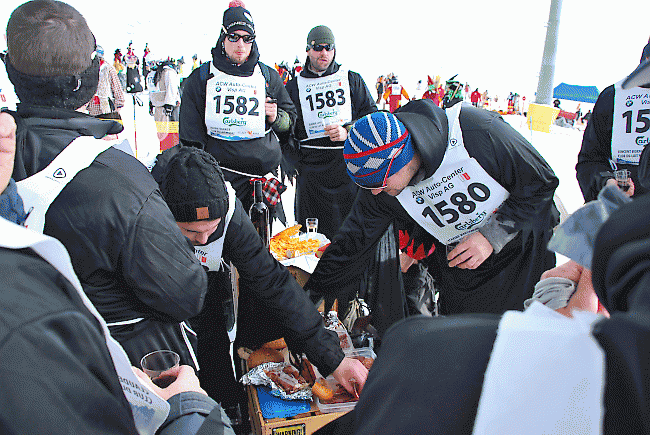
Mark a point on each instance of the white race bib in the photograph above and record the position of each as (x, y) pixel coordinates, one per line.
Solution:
(324, 101)
(630, 124)
(459, 197)
(210, 255)
(234, 106)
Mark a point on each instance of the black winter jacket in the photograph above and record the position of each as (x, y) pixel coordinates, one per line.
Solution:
(593, 168)
(131, 258)
(256, 156)
(404, 377)
(271, 303)
(506, 278)
(322, 178)
(57, 375)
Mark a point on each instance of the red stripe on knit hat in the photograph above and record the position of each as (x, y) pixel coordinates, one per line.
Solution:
(378, 149)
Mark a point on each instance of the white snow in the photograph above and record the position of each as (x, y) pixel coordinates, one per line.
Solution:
(560, 148)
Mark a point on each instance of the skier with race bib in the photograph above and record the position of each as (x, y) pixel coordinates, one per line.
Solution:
(328, 98)
(234, 107)
(614, 138)
(470, 186)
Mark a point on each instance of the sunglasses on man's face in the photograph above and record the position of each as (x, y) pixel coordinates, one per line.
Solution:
(234, 37)
(321, 47)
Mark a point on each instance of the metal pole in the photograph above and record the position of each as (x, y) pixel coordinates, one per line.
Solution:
(547, 71)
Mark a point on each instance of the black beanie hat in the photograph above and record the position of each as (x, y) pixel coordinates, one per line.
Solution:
(237, 17)
(194, 187)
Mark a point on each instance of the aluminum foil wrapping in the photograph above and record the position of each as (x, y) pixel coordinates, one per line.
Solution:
(257, 376)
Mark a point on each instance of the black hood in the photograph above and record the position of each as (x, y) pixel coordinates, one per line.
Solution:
(621, 264)
(428, 127)
(67, 125)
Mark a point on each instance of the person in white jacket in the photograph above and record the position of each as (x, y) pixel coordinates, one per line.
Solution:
(165, 99)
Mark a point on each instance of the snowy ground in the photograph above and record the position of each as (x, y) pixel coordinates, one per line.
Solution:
(560, 148)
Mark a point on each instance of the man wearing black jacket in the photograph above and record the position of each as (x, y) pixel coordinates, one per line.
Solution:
(328, 99)
(58, 375)
(269, 304)
(235, 106)
(616, 133)
(446, 375)
(468, 184)
(133, 262)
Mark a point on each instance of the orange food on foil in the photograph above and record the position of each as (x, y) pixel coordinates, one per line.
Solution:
(284, 245)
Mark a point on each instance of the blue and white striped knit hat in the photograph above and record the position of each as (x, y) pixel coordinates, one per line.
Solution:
(373, 141)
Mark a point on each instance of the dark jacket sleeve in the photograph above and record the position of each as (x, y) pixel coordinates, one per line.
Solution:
(281, 296)
(276, 90)
(193, 413)
(159, 263)
(367, 221)
(513, 162)
(191, 124)
(593, 168)
(57, 375)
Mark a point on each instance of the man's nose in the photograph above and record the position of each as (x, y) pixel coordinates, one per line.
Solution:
(202, 238)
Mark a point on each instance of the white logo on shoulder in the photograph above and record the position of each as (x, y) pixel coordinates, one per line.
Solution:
(59, 173)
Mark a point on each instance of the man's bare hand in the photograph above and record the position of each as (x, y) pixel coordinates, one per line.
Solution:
(351, 371)
(569, 270)
(271, 110)
(471, 252)
(628, 192)
(186, 380)
(336, 132)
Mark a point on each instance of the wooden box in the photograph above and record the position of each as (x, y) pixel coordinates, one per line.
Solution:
(301, 424)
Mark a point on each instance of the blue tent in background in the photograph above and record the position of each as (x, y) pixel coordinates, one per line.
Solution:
(585, 94)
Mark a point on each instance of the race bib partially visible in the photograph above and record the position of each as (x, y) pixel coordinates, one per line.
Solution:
(324, 101)
(234, 106)
(460, 195)
(630, 124)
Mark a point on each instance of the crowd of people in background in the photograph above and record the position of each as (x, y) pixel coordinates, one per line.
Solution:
(432, 207)
(446, 94)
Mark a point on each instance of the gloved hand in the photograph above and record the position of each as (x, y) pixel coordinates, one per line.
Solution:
(168, 109)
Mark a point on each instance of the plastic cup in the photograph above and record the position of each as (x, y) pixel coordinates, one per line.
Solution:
(311, 225)
(623, 179)
(157, 363)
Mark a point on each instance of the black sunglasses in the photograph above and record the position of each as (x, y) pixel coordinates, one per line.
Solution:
(321, 47)
(234, 37)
